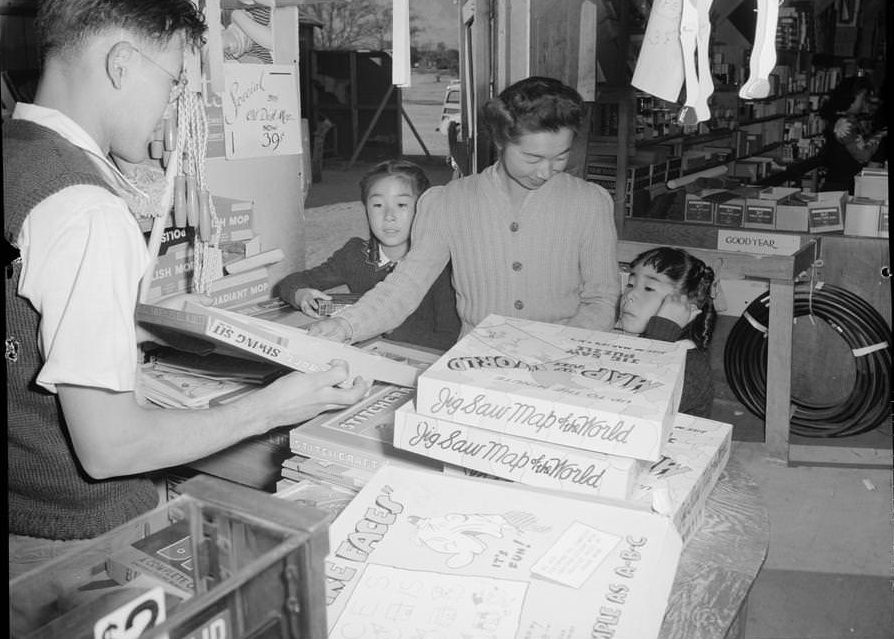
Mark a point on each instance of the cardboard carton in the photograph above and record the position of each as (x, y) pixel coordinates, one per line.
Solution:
(873, 184)
(428, 554)
(698, 209)
(523, 460)
(604, 392)
(863, 217)
(826, 211)
(730, 212)
(760, 214)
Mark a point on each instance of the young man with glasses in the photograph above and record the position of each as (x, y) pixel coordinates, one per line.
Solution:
(79, 443)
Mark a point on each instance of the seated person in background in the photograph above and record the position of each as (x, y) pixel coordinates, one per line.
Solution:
(669, 298)
(389, 192)
(525, 239)
(852, 138)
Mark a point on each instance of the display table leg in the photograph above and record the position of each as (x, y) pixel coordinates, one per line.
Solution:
(779, 368)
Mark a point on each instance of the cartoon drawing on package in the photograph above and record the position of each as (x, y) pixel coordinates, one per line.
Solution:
(464, 537)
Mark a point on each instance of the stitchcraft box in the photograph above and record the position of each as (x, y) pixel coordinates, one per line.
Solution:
(603, 392)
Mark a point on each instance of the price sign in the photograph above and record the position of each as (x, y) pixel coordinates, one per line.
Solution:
(261, 112)
(133, 618)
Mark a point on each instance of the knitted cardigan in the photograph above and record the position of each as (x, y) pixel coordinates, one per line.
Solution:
(551, 259)
(50, 495)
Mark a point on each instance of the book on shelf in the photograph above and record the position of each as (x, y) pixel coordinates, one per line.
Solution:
(520, 459)
(427, 554)
(360, 436)
(604, 392)
(242, 335)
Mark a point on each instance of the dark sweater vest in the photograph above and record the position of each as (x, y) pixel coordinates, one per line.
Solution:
(50, 495)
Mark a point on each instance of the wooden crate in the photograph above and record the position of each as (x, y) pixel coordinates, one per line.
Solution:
(221, 560)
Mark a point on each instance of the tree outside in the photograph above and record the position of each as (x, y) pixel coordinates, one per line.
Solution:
(366, 24)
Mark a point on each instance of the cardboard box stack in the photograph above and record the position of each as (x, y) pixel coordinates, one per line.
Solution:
(339, 451)
(566, 409)
(772, 208)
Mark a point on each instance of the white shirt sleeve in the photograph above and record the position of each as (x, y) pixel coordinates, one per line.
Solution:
(82, 259)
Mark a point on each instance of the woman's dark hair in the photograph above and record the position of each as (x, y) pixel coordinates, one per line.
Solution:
(405, 169)
(532, 105)
(843, 95)
(63, 25)
(693, 278)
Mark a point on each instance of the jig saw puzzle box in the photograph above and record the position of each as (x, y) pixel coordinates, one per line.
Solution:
(423, 554)
(679, 484)
(519, 459)
(605, 392)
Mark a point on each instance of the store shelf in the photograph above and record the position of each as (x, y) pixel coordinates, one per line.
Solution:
(760, 120)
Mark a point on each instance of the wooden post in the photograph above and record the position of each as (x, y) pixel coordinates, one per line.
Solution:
(371, 126)
(415, 132)
(779, 367)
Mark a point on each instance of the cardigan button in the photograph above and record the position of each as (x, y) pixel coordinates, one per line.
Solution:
(519, 305)
(516, 266)
(513, 227)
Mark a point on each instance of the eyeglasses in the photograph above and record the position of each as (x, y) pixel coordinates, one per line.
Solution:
(178, 83)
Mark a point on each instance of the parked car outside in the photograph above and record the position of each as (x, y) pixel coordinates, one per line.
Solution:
(451, 111)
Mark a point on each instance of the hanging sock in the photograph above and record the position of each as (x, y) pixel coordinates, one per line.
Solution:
(659, 67)
(695, 36)
(763, 54)
(688, 35)
(703, 46)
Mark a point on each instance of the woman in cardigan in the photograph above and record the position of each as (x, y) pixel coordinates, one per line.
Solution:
(525, 239)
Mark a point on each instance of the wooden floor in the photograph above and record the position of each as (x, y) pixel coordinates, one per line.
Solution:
(828, 574)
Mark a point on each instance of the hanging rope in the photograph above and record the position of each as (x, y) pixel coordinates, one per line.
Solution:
(193, 205)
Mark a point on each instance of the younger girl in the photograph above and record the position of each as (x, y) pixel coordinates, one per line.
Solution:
(668, 298)
(389, 192)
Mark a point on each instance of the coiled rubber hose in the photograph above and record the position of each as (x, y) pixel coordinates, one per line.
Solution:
(862, 328)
